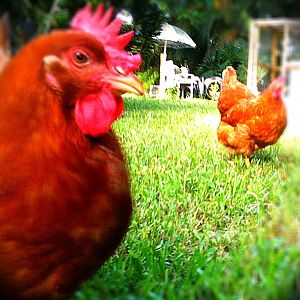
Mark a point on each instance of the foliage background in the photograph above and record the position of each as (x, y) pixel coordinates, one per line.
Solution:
(218, 27)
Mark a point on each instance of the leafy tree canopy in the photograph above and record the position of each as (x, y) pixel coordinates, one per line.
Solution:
(210, 23)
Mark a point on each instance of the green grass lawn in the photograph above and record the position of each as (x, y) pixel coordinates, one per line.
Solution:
(205, 226)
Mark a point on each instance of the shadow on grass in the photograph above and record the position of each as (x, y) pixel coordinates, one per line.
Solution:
(275, 155)
(260, 157)
(264, 156)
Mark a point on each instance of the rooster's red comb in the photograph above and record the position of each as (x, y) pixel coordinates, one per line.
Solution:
(98, 24)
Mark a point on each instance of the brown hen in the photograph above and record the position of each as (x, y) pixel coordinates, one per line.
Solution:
(248, 122)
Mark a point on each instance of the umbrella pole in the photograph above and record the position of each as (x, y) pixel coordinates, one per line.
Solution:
(162, 75)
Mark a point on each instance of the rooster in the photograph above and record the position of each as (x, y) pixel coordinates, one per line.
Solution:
(248, 122)
(65, 200)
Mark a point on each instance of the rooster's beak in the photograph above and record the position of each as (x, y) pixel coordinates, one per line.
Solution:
(123, 84)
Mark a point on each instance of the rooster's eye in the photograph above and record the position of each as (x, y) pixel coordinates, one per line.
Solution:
(80, 58)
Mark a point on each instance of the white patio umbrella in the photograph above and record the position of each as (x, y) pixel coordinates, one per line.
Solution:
(173, 37)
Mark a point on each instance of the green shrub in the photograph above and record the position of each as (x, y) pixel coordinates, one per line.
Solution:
(149, 77)
(233, 54)
(172, 93)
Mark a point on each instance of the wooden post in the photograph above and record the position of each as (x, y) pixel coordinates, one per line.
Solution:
(5, 45)
(274, 61)
(284, 64)
(286, 29)
(252, 59)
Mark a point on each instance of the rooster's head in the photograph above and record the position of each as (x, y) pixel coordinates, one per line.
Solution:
(94, 66)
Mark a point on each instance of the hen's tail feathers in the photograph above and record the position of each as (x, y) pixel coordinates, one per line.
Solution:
(229, 75)
(232, 90)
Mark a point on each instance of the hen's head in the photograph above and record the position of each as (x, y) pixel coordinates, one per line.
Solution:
(91, 66)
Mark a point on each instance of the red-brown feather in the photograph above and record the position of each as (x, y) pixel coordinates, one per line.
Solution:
(65, 201)
(249, 122)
